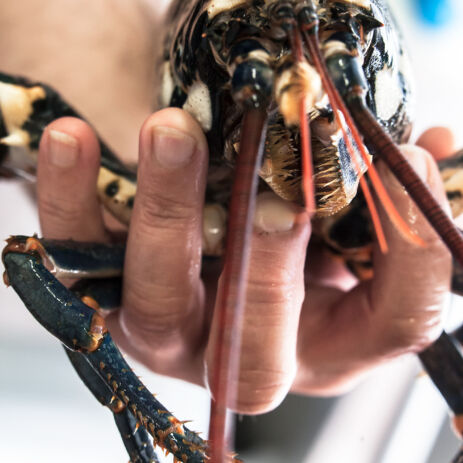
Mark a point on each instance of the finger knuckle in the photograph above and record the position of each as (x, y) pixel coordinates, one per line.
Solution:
(158, 309)
(60, 211)
(163, 211)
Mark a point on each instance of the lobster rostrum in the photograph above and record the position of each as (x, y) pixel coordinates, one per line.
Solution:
(295, 97)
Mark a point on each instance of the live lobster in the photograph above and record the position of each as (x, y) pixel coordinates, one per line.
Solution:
(274, 64)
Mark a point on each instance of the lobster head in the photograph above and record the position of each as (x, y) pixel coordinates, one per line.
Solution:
(244, 52)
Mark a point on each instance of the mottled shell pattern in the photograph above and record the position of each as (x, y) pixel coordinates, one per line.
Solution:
(196, 76)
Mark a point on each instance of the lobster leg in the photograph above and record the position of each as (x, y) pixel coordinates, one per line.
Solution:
(82, 329)
(26, 108)
(135, 437)
(106, 292)
(444, 363)
(459, 457)
(107, 295)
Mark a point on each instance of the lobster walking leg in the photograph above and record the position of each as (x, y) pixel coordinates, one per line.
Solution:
(134, 436)
(459, 457)
(26, 108)
(80, 328)
(444, 363)
(106, 293)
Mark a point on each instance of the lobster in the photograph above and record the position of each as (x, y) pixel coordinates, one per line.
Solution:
(262, 55)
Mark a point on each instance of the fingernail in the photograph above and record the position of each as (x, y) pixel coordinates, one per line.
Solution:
(63, 149)
(273, 214)
(172, 148)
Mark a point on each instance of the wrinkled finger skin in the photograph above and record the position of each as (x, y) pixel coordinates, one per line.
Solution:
(306, 338)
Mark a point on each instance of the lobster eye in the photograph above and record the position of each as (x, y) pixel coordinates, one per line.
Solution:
(252, 83)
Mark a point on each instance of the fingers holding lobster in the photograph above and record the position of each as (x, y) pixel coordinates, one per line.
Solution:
(164, 245)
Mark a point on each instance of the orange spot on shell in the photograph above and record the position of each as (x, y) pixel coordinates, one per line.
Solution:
(92, 303)
(97, 331)
(116, 405)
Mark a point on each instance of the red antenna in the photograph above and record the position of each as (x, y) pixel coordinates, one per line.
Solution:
(312, 43)
(306, 144)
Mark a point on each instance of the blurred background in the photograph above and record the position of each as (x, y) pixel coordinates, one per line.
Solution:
(395, 416)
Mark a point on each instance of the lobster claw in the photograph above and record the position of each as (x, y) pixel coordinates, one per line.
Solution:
(82, 329)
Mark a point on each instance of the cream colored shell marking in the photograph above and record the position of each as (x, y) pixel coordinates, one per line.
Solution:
(361, 3)
(198, 104)
(299, 81)
(118, 204)
(214, 229)
(453, 181)
(167, 85)
(16, 106)
(218, 6)
(388, 95)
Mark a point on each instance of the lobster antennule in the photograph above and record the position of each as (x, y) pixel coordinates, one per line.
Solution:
(231, 295)
(306, 145)
(312, 43)
(350, 148)
(307, 165)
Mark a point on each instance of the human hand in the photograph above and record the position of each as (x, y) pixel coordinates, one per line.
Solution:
(400, 310)
(167, 308)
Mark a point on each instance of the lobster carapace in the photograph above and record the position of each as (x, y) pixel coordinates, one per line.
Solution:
(211, 48)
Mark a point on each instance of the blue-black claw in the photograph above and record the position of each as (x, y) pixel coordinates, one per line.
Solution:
(81, 328)
(107, 292)
(65, 316)
(70, 259)
(459, 457)
(443, 362)
(136, 439)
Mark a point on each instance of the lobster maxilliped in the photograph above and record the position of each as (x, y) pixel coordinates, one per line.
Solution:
(254, 74)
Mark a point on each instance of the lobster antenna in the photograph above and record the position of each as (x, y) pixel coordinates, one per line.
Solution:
(231, 294)
(406, 175)
(350, 148)
(312, 43)
(306, 144)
